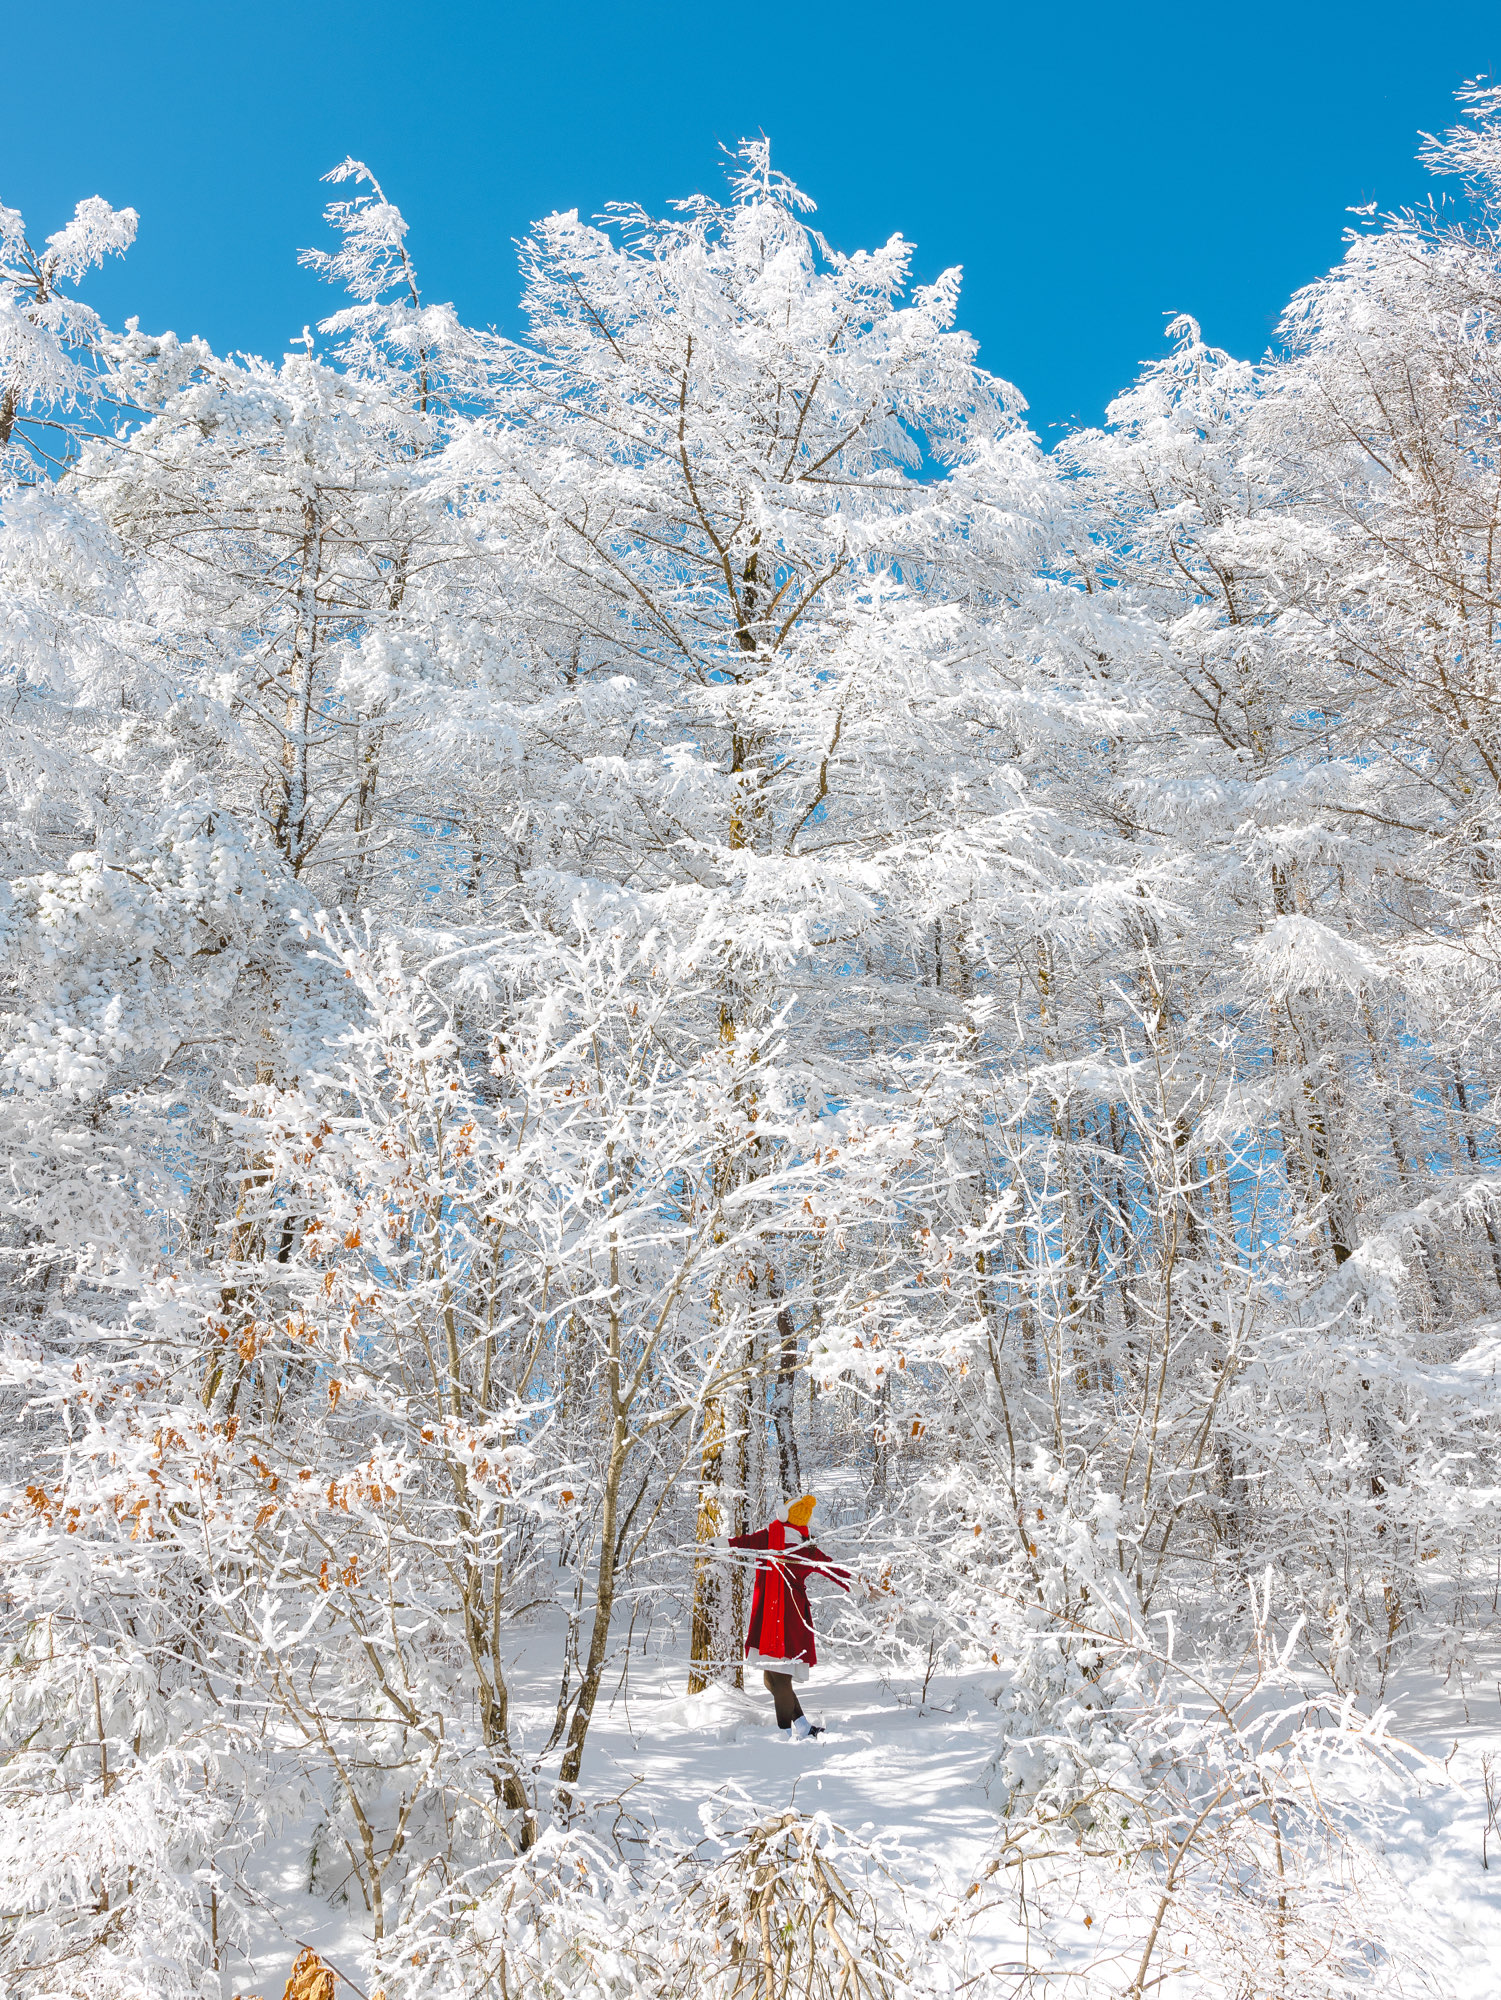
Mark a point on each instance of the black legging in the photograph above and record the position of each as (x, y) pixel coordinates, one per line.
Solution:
(789, 1708)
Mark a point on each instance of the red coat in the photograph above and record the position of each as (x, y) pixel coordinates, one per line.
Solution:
(781, 1624)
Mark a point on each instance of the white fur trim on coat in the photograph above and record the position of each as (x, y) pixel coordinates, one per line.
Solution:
(796, 1669)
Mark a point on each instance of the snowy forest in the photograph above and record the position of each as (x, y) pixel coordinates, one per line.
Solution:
(607, 927)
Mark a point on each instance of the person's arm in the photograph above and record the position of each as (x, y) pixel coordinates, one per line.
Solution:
(760, 1539)
(824, 1565)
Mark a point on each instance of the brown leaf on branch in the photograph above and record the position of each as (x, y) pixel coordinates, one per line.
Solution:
(311, 1979)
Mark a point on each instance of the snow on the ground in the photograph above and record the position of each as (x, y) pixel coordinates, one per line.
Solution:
(915, 1773)
(887, 1764)
(1431, 1840)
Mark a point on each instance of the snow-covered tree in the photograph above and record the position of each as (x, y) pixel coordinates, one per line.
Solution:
(603, 926)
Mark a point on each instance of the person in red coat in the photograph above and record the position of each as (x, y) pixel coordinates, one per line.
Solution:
(779, 1639)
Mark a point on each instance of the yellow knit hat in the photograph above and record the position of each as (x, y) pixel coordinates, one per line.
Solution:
(800, 1510)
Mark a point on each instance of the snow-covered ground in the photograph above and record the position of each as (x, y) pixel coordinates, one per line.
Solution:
(1431, 1840)
(916, 1774)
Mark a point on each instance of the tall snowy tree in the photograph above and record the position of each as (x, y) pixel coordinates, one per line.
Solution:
(603, 926)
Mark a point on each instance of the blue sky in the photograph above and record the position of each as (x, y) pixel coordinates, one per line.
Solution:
(1093, 167)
